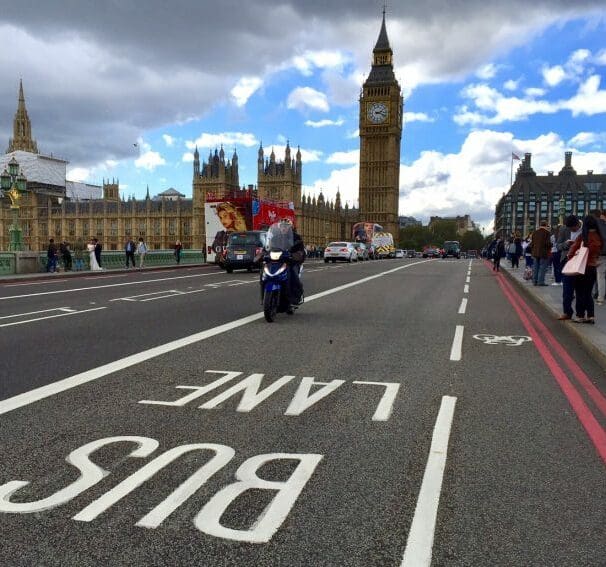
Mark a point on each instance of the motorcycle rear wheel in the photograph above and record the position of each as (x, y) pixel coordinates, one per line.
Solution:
(270, 305)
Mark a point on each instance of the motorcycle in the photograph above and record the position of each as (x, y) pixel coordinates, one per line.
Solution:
(276, 272)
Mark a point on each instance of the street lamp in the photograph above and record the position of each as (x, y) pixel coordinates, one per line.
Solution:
(13, 185)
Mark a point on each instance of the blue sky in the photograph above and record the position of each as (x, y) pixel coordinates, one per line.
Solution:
(480, 80)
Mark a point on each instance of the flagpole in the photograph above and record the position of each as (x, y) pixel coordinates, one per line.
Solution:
(511, 172)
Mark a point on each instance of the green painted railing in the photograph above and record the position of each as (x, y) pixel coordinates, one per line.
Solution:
(112, 260)
(7, 263)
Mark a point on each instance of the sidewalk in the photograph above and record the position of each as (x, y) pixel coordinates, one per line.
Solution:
(593, 337)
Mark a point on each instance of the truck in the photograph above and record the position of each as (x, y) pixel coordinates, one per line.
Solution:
(383, 246)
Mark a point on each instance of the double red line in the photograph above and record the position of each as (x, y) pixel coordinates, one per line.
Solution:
(548, 346)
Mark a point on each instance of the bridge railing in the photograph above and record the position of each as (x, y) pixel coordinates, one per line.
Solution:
(7, 263)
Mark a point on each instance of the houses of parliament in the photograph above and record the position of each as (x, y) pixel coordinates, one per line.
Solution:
(53, 207)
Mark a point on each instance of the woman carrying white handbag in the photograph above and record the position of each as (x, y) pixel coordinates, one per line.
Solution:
(583, 257)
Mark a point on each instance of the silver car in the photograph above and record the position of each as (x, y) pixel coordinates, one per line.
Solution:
(343, 251)
(362, 251)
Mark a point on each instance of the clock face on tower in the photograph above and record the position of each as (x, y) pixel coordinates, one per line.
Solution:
(377, 112)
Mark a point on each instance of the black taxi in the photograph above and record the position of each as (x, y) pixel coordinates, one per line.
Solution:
(242, 248)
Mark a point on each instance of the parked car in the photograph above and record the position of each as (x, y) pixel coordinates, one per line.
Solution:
(399, 253)
(343, 251)
(431, 253)
(411, 254)
(242, 249)
(362, 251)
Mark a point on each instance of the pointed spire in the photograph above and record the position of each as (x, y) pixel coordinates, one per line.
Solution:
(196, 153)
(22, 128)
(383, 41)
(147, 194)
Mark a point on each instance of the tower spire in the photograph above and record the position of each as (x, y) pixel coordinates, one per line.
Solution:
(22, 128)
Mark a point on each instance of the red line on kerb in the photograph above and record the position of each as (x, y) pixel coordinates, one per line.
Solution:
(595, 431)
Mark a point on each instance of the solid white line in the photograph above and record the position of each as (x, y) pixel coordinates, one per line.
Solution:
(51, 317)
(420, 537)
(33, 312)
(463, 306)
(38, 394)
(466, 288)
(107, 286)
(36, 283)
(457, 343)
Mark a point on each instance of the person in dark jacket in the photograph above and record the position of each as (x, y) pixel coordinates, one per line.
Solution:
(297, 255)
(541, 245)
(51, 255)
(583, 283)
(566, 236)
(66, 256)
(499, 252)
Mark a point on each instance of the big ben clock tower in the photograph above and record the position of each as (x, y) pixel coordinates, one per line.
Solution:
(380, 134)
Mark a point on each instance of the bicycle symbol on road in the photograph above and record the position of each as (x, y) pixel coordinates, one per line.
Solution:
(513, 340)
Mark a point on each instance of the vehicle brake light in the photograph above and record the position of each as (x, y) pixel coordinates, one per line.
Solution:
(343, 250)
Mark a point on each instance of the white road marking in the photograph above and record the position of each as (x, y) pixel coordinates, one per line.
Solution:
(38, 394)
(420, 537)
(35, 312)
(457, 343)
(50, 317)
(36, 283)
(463, 306)
(176, 293)
(468, 279)
(466, 288)
(109, 285)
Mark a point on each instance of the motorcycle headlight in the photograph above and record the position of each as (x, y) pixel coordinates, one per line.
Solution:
(275, 255)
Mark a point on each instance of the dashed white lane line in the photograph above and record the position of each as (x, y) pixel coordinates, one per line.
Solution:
(457, 343)
(466, 288)
(463, 306)
(468, 279)
(420, 537)
(43, 392)
(51, 317)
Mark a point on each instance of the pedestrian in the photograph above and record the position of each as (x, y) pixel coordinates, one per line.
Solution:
(526, 251)
(66, 256)
(51, 255)
(540, 253)
(583, 283)
(566, 237)
(92, 253)
(142, 251)
(499, 252)
(129, 251)
(601, 267)
(555, 257)
(178, 248)
(79, 254)
(98, 249)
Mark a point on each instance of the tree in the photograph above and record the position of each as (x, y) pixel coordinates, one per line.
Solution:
(472, 240)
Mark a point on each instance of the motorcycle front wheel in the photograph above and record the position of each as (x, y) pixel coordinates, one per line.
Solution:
(270, 304)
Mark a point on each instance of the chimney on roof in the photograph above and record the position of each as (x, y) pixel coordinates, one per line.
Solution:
(550, 173)
(590, 172)
(527, 157)
(568, 159)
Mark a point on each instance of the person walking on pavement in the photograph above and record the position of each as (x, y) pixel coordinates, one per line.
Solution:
(499, 252)
(583, 283)
(129, 251)
(555, 258)
(566, 237)
(601, 267)
(178, 248)
(51, 255)
(66, 256)
(142, 251)
(540, 253)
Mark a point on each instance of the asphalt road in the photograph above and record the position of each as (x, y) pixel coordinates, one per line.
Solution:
(410, 413)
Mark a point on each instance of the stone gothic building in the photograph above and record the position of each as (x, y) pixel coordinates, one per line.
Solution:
(53, 207)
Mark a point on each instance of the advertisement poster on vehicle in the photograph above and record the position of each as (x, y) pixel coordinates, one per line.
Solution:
(364, 231)
(265, 214)
(222, 218)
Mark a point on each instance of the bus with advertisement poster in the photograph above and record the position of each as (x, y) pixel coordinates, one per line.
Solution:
(224, 216)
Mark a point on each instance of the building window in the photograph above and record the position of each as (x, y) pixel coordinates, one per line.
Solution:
(71, 227)
(127, 228)
(99, 229)
(172, 227)
(113, 231)
(57, 228)
(157, 231)
(142, 228)
(85, 229)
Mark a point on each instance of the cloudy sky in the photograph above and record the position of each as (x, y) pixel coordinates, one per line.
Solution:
(481, 78)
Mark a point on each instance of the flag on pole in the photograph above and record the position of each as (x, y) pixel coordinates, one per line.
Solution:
(514, 156)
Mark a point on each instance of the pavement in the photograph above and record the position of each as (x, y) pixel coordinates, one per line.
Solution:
(593, 337)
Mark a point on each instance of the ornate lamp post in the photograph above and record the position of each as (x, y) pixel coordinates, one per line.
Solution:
(562, 210)
(13, 184)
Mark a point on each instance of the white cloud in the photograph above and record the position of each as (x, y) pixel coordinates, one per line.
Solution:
(345, 181)
(168, 140)
(354, 134)
(244, 89)
(187, 157)
(589, 99)
(534, 92)
(79, 174)
(324, 59)
(511, 85)
(324, 123)
(346, 158)
(417, 117)
(308, 156)
(553, 76)
(583, 139)
(600, 57)
(150, 160)
(306, 97)
(208, 140)
(487, 71)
